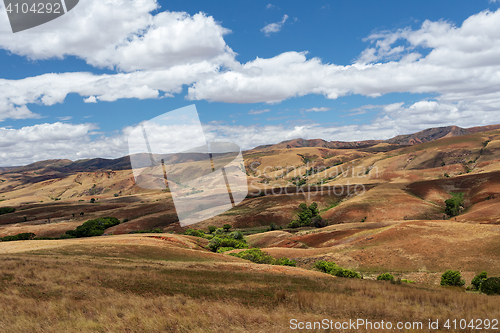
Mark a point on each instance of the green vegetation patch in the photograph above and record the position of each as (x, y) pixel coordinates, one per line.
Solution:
(332, 269)
(452, 278)
(94, 227)
(257, 256)
(18, 237)
(491, 286)
(7, 210)
(308, 216)
(385, 277)
(454, 205)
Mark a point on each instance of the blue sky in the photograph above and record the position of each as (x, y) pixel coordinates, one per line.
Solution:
(258, 72)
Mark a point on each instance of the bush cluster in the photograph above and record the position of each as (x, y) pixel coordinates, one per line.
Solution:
(308, 216)
(231, 241)
(454, 205)
(385, 277)
(22, 236)
(452, 278)
(220, 239)
(479, 279)
(196, 233)
(6, 210)
(94, 227)
(491, 286)
(332, 269)
(257, 256)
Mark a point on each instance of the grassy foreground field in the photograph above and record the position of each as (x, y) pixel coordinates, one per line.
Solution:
(149, 285)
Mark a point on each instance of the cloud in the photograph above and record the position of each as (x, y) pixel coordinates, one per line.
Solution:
(460, 65)
(49, 141)
(122, 34)
(78, 141)
(258, 111)
(65, 118)
(322, 109)
(50, 89)
(274, 27)
(270, 5)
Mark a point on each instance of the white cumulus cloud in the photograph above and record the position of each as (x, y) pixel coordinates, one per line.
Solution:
(274, 27)
(122, 34)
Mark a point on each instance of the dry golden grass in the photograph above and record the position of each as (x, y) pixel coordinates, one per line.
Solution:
(66, 292)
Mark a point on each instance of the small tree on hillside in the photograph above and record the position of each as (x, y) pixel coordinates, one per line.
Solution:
(226, 227)
(491, 286)
(307, 216)
(452, 278)
(479, 279)
(211, 229)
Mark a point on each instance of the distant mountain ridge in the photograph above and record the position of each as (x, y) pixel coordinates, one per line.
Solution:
(426, 135)
(123, 163)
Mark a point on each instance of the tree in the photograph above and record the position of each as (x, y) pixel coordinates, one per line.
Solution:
(454, 205)
(272, 227)
(385, 277)
(479, 279)
(94, 227)
(92, 200)
(307, 216)
(211, 229)
(226, 227)
(6, 210)
(491, 286)
(237, 235)
(452, 278)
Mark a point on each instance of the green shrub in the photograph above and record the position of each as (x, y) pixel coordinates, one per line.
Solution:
(237, 235)
(325, 266)
(6, 210)
(332, 269)
(308, 216)
(226, 241)
(455, 204)
(285, 262)
(407, 281)
(224, 249)
(348, 273)
(196, 233)
(385, 277)
(273, 226)
(211, 229)
(257, 256)
(491, 286)
(18, 237)
(219, 231)
(94, 227)
(226, 227)
(479, 279)
(452, 278)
